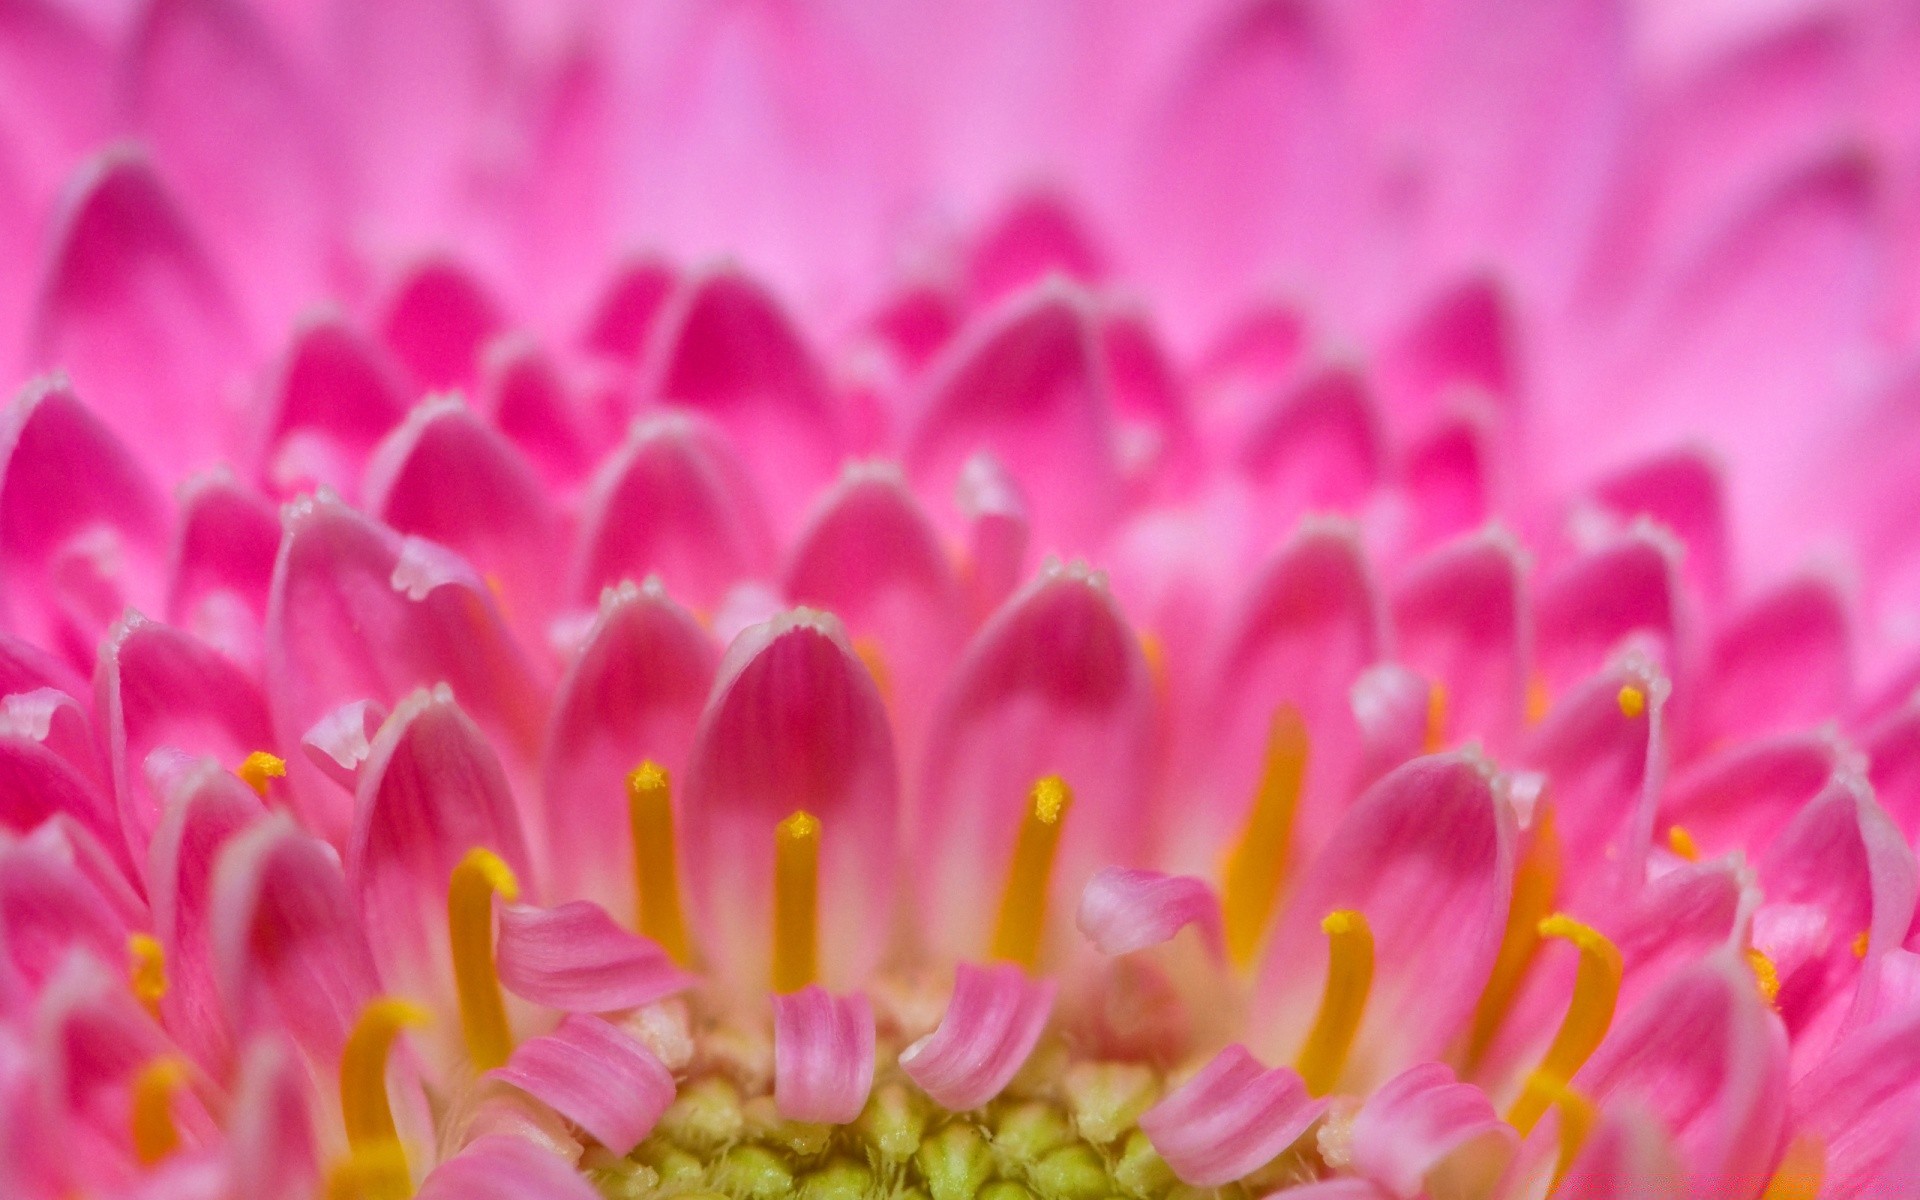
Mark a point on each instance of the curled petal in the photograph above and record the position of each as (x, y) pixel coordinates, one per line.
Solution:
(1125, 909)
(574, 958)
(991, 1024)
(339, 743)
(501, 1167)
(1230, 1119)
(996, 513)
(1415, 1121)
(1449, 478)
(822, 1055)
(594, 1075)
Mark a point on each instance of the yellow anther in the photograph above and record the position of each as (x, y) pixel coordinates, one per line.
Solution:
(1596, 989)
(1155, 654)
(1765, 975)
(1342, 1004)
(796, 902)
(1577, 1119)
(363, 1070)
(1436, 735)
(147, 971)
(1022, 923)
(656, 868)
(1632, 700)
(480, 876)
(874, 659)
(1681, 842)
(1539, 700)
(376, 1171)
(154, 1134)
(1802, 1170)
(1860, 943)
(259, 767)
(1258, 863)
(1536, 884)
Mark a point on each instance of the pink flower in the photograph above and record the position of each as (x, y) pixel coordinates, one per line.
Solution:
(1306, 598)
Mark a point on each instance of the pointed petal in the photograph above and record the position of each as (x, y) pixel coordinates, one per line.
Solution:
(1036, 236)
(1892, 746)
(595, 1076)
(623, 319)
(1449, 477)
(499, 1167)
(436, 321)
(332, 395)
(1463, 338)
(1416, 1121)
(1784, 662)
(916, 322)
(991, 1024)
(1231, 1118)
(822, 1055)
(1462, 618)
(575, 959)
(1054, 684)
(794, 723)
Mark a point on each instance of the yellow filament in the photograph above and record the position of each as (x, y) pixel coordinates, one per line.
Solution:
(1536, 882)
(796, 902)
(1632, 700)
(375, 1171)
(1681, 842)
(259, 767)
(1342, 1004)
(1436, 736)
(154, 1133)
(483, 1010)
(1801, 1171)
(1023, 905)
(1765, 975)
(147, 971)
(656, 867)
(1258, 862)
(1577, 1119)
(1596, 988)
(363, 1070)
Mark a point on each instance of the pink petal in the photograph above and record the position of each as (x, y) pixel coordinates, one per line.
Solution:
(223, 566)
(991, 1024)
(996, 514)
(917, 322)
(1708, 1057)
(38, 782)
(1683, 490)
(673, 501)
(25, 667)
(1254, 351)
(1054, 684)
(81, 528)
(724, 348)
(574, 958)
(332, 395)
(794, 722)
(522, 393)
(1317, 446)
(1428, 847)
(47, 910)
(288, 947)
(596, 1077)
(1892, 746)
(1449, 477)
(1461, 618)
(1415, 1121)
(1629, 1154)
(499, 1167)
(1026, 386)
(133, 310)
(623, 318)
(1782, 663)
(270, 1132)
(1231, 1118)
(1464, 337)
(1125, 909)
(1862, 1102)
(1152, 426)
(1589, 607)
(340, 742)
(1741, 797)
(822, 1055)
(158, 688)
(437, 318)
(431, 791)
(1036, 236)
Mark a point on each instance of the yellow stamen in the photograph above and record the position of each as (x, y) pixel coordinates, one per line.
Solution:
(656, 868)
(1860, 943)
(1536, 883)
(1342, 1004)
(1258, 862)
(376, 1171)
(875, 661)
(483, 1010)
(1801, 1171)
(1681, 842)
(1596, 988)
(1436, 736)
(1577, 1119)
(1022, 922)
(1155, 653)
(1539, 700)
(796, 902)
(1632, 700)
(363, 1070)
(1765, 974)
(154, 1134)
(259, 767)
(147, 971)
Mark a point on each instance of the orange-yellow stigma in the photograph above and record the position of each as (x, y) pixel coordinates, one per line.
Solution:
(1021, 925)
(1766, 976)
(483, 1011)
(874, 659)
(376, 1166)
(154, 1134)
(1436, 735)
(1632, 701)
(656, 869)
(1682, 844)
(1342, 1004)
(147, 971)
(1258, 862)
(796, 902)
(1536, 883)
(1802, 1170)
(1596, 988)
(259, 767)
